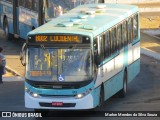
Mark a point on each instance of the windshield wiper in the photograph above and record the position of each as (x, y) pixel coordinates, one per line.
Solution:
(42, 46)
(71, 51)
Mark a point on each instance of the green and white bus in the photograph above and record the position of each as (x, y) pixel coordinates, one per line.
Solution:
(82, 58)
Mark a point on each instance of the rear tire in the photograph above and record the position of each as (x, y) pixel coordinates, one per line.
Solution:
(123, 91)
(8, 36)
(101, 99)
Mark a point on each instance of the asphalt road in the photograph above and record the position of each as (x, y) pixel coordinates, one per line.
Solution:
(143, 94)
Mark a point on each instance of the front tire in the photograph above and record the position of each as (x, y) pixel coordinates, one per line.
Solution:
(101, 99)
(123, 91)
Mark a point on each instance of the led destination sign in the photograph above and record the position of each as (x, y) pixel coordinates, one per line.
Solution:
(59, 38)
(48, 39)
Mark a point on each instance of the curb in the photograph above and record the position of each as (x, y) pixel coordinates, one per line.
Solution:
(150, 53)
(12, 71)
(151, 34)
(149, 10)
(12, 79)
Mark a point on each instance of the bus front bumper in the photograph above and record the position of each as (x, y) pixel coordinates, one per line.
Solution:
(61, 103)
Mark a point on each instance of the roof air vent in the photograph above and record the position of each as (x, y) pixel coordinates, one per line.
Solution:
(74, 20)
(90, 12)
(88, 27)
(82, 16)
(65, 24)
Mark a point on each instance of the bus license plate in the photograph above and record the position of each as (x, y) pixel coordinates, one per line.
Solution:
(57, 103)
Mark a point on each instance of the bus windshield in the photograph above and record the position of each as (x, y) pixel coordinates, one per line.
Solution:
(59, 65)
(56, 8)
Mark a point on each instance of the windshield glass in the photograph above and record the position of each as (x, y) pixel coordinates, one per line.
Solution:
(59, 65)
(54, 8)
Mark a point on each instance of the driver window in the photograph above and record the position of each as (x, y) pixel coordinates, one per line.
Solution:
(99, 49)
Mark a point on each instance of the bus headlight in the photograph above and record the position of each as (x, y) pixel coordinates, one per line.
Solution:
(26, 89)
(35, 95)
(81, 95)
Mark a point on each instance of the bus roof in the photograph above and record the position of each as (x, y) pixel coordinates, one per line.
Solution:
(90, 19)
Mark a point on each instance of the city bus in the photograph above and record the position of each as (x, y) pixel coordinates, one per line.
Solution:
(18, 17)
(82, 58)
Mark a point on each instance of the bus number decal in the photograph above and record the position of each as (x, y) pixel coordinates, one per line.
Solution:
(40, 38)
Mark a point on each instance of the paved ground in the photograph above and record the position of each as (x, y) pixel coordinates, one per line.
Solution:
(143, 95)
(150, 42)
(149, 5)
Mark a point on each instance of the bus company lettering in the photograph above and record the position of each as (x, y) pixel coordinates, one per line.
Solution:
(64, 38)
(57, 38)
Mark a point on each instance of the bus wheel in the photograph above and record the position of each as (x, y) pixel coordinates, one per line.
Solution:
(6, 30)
(123, 91)
(101, 98)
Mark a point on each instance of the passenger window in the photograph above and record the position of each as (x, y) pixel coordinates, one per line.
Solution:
(130, 30)
(35, 5)
(135, 27)
(119, 37)
(107, 45)
(100, 1)
(11, 1)
(101, 48)
(114, 40)
(21, 3)
(110, 41)
(124, 33)
(28, 4)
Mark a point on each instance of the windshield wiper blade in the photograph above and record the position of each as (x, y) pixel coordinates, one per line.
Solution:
(42, 46)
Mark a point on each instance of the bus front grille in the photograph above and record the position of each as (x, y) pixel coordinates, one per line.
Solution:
(42, 104)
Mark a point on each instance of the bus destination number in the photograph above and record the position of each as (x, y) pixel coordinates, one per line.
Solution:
(58, 38)
(40, 73)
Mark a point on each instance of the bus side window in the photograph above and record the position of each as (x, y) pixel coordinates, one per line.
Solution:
(99, 49)
(135, 27)
(124, 33)
(107, 45)
(130, 30)
(100, 1)
(11, 1)
(35, 5)
(119, 36)
(113, 39)
(110, 42)
(21, 3)
(96, 51)
(28, 4)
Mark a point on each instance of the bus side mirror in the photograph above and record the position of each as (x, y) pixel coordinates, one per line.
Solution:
(96, 57)
(23, 54)
(97, 60)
